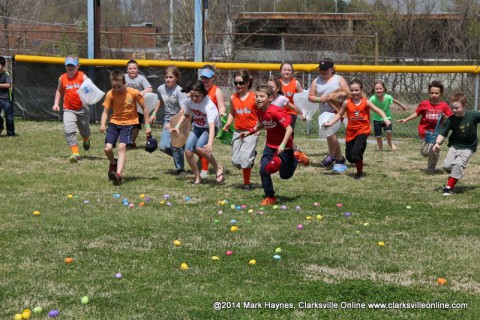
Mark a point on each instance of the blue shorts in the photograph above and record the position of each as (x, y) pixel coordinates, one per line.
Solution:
(378, 126)
(115, 131)
(197, 138)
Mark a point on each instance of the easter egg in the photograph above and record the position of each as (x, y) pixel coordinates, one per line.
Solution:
(442, 281)
(381, 243)
(86, 202)
(347, 214)
(36, 212)
(229, 252)
(233, 221)
(243, 206)
(84, 300)
(177, 243)
(339, 205)
(18, 316)
(162, 202)
(275, 207)
(284, 207)
(357, 232)
(260, 212)
(53, 313)
(319, 217)
(69, 196)
(26, 314)
(125, 204)
(166, 196)
(184, 266)
(408, 207)
(169, 204)
(234, 228)
(131, 205)
(188, 198)
(68, 260)
(277, 257)
(278, 250)
(147, 199)
(118, 275)
(366, 224)
(298, 208)
(142, 196)
(37, 310)
(308, 218)
(252, 262)
(141, 204)
(215, 258)
(316, 204)
(238, 208)
(116, 195)
(300, 227)
(249, 221)
(250, 211)
(220, 212)
(216, 221)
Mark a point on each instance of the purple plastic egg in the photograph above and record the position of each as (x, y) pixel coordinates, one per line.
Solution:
(53, 313)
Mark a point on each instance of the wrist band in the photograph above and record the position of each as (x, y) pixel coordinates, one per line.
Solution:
(318, 99)
(177, 126)
(147, 126)
(154, 114)
(282, 146)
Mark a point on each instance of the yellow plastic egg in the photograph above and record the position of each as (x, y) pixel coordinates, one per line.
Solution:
(234, 228)
(177, 243)
(184, 266)
(215, 258)
(36, 212)
(252, 262)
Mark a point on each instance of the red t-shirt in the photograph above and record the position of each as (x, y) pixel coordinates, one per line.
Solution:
(358, 119)
(245, 112)
(71, 99)
(275, 120)
(430, 114)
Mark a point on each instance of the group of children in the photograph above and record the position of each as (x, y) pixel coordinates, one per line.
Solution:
(202, 103)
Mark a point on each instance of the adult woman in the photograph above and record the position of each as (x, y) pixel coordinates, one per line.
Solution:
(320, 91)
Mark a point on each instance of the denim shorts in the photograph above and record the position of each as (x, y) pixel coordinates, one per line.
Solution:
(378, 126)
(197, 138)
(115, 131)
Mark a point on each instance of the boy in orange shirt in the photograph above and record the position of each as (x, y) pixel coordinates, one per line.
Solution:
(122, 101)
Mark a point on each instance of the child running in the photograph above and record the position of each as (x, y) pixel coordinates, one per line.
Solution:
(278, 152)
(243, 113)
(383, 101)
(122, 101)
(171, 98)
(462, 142)
(204, 130)
(358, 128)
(430, 110)
(280, 100)
(75, 113)
(289, 86)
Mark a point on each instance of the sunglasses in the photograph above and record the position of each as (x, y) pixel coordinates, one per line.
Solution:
(239, 83)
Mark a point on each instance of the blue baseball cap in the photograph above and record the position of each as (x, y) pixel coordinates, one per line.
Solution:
(71, 61)
(207, 73)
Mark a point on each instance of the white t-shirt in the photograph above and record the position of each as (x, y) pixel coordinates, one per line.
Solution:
(202, 113)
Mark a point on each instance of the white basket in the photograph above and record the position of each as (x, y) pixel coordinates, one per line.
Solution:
(89, 92)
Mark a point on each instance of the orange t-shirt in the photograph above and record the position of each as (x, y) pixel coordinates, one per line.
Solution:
(212, 93)
(289, 90)
(245, 112)
(358, 119)
(71, 99)
(124, 106)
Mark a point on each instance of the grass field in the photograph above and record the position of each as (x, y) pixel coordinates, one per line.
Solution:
(335, 260)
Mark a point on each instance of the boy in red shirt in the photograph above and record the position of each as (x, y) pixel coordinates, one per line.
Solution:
(278, 153)
(430, 110)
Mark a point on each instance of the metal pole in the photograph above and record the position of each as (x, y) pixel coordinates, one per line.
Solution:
(90, 29)
(476, 92)
(198, 31)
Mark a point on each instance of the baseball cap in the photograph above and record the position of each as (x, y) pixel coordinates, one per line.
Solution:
(325, 64)
(273, 165)
(71, 61)
(151, 144)
(207, 73)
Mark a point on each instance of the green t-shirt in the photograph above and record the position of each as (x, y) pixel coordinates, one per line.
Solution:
(384, 105)
(464, 130)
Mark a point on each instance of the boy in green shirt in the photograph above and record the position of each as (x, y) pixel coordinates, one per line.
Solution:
(462, 142)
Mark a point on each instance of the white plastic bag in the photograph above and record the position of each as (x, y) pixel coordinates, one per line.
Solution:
(150, 100)
(325, 132)
(308, 108)
(89, 92)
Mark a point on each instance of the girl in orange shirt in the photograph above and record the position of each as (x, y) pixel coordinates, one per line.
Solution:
(358, 128)
(243, 111)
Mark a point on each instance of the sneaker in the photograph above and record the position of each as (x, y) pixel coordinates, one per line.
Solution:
(247, 187)
(203, 174)
(86, 145)
(447, 191)
(268, 201)
(181, 172)
(131, 146)
(74, 158)
(359, 176)
(339, 168)
(341, 161)
(112, 169)
(302, 157)
(115, 177)
(329, 159)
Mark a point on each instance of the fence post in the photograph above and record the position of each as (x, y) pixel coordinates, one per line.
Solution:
(476, 91)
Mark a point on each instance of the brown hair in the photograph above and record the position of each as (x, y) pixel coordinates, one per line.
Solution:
(117, 75)
(245, 75)
(172, 69)
(459, 97)
(435, 84)
(263, 87)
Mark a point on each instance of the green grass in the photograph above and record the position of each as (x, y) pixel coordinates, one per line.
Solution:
(335, 259)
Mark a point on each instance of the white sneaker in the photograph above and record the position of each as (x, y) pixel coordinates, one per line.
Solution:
(203, 174)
